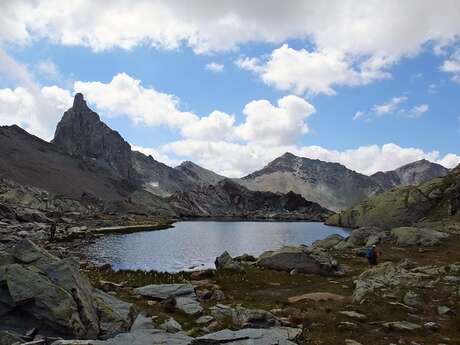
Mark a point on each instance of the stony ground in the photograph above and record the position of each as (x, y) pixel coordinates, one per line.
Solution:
(435, 303)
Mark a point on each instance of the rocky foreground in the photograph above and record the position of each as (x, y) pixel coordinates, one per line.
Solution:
(322, 294)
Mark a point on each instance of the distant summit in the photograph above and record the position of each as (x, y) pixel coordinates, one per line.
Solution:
(410, 174)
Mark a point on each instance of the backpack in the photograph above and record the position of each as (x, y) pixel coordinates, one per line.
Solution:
(370, 253)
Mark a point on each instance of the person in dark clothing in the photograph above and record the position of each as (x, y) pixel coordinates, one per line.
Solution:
(373, 255)
(52, 231)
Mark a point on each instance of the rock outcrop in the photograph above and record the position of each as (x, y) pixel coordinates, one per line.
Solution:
(81, 133)
(302, 259)
(41, 291)
(432, 201)
(229, 199)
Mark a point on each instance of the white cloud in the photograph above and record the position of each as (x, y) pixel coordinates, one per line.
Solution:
(38, 113)
(275, 125)
(452, 66)
(359, 114)
(388, 107)
(391, 26)
(124, 95)
(418, 110)
(214, 67)
(236, 160)
(302, 71)
(216, 126)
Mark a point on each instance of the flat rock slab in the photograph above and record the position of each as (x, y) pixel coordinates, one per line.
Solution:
(188, 305)
(163, 291)
(353, 315)
(252, 336)
(402, 326)
(317, 297)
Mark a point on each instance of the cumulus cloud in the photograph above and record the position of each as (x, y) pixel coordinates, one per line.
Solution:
(124, 95)
(48, 70)
(302, 71)
(214, 67)
(275, 125)
(216, 126)
(239, 159)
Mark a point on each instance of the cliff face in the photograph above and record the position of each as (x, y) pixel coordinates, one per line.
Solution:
(229, 199)
(82, 134)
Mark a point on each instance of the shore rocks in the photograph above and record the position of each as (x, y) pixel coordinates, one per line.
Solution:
(41, 291)
(328, 242)
(303, 259)
(226, 262)
(409, 236)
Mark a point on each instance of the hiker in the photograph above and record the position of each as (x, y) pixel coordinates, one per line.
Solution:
(52, 231)
(372, 255)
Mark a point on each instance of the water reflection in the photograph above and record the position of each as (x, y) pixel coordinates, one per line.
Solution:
(196, 244)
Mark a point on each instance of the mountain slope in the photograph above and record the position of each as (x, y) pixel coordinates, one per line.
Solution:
(198, 174)
(432, 201)
(230, 199)
(29, 160)
(330, 184)
(410, 174)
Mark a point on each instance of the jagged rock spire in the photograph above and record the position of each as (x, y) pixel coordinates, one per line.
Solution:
(79, 101)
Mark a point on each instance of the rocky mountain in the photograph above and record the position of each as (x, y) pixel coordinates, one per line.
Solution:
(198, 174)
(31, 161)
(410, 174)
(331, 185)
(433, 201)
(82, 134)
(229, 199)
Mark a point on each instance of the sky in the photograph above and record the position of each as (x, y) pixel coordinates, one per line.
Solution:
(231, 85)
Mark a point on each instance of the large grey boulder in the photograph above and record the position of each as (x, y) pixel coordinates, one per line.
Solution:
(360, 237)
(252, 336)
(115, 316)
(38, 290)
(163, 291)
(302, 259)
(328, 242)
(189, 305)
(410, 236)
(226, 262)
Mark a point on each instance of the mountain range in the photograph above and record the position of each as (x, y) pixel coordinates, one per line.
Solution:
(88, 160)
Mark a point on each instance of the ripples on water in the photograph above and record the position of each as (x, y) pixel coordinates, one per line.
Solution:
(197, 243)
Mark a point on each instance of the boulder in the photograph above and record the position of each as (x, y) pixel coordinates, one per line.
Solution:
(41, 291)
(387, 275)
(365, 236)
(328, 242)
(303, 259)
(253, 318)
(409, 236)
(316, 297)
(189, 305)
(163, 291)
(31, 215)
(253, 336)
(115, 316)
(171, 326)
(226, 262)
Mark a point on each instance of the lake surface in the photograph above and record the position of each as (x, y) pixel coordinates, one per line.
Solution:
(196, 244)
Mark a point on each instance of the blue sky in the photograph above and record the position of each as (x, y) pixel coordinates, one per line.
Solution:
(369, 104)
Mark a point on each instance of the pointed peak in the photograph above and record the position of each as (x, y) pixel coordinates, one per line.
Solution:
(79, 101)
